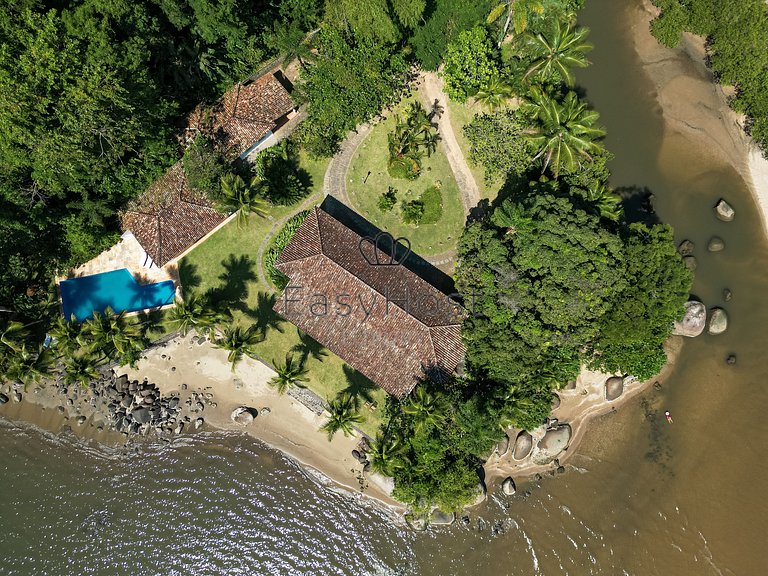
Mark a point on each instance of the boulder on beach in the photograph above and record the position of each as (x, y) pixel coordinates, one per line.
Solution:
(694, 320)
(417, 523)
(690, 262)
(503, 445)
(555, 401)
(3, 399)
(523, 445)
(440, 518)
(718, 321)
(686, 248)
(552, 444)
(715, 244)
(198, 423)
(508, 486)
(614, 387)
(243, 415)
(141, 415)
(724, 211)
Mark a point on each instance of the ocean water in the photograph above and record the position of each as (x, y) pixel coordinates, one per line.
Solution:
(641, 496)
(117, 290)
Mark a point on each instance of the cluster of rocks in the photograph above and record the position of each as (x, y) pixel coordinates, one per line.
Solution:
(137, 407)
(361, 454)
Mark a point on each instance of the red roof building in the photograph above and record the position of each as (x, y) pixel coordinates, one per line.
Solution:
(377, 315)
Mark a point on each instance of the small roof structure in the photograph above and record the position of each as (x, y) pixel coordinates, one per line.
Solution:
(169, 217)
(377, 315)
(245, 113)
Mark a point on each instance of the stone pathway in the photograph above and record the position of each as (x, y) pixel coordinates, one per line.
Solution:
(430, 89)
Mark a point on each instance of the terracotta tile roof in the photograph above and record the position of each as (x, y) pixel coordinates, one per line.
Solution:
(384, 321)
(169, 216)
(243, 115)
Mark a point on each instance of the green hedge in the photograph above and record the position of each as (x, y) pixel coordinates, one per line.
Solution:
(278, 244)
(432, 200)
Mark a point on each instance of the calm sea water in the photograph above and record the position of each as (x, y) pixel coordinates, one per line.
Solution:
(641, 497)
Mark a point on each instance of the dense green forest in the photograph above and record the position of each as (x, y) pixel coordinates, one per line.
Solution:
(554, 274)
(737, 48)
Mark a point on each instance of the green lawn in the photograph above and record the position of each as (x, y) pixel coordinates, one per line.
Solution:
(372, 156)
(226, 264)
(461, 115)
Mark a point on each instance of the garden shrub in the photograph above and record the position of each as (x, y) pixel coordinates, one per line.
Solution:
(432, 201)
(278, 244)
(388, 200)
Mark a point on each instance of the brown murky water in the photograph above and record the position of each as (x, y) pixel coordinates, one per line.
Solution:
(641, 497)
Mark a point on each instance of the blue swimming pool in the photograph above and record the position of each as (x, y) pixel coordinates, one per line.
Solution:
(117, 290)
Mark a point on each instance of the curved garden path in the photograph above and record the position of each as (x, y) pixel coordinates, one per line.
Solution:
(430, 91)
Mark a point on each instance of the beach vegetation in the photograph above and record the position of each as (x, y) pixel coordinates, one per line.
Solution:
(238, 342)
(557, 52)
(343, 415)
(194, 312)
(288, 373)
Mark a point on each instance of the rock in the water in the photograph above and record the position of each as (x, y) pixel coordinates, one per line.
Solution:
(731, 359)
(243, 415)
(3, 399)
(718, 321)
(727, 294)
(417, 523)
(690, 262)
(481, 492)
(503, 445)
(694, 320)
(523, 445)
(508, 486)
(686, 248)
(552, 444)
(17, 396)
(141, 415)
(81, 420)
(724, 211)
(440, 518)
(198, 423)
(716, 244)
(560, 470)
(614, 387)
(555, 401)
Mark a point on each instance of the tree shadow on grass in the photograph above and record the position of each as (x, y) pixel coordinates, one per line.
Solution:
(358, 386)
(238, 273)
(308, 347)
(263, 315)
(188, 275)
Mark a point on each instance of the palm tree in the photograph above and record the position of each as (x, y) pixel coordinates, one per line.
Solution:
(558, 53)
(27, 367)
(66, 334)
(13, 335)
(494, 94)
(413, 136)
(112, 334)
(386, 455)
(194, 312)
(237, 196)
(518, 13)
(608, 203)
(81, 369)
(238, 341)
(424, 407)
(343, 415)
(565, 134)
(290, 373)
(513, 217)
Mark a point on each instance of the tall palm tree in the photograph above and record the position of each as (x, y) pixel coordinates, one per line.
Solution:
(66, 334)
(565, 133)
(289, 373)
(516, 12)
(243, 198)
(414, 135)
(424, 407)
(194, 312)
(238, 341)
(343, 414)
(564, 48)
(29, 366)
(494, 94)
(112, 334)
(513, 217)
(80, 369)
(386, 455)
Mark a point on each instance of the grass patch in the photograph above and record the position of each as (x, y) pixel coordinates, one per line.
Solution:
(432, 200)
(368, 178)
(461, 115)
(225, 265)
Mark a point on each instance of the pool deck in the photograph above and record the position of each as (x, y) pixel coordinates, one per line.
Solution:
(129, 254)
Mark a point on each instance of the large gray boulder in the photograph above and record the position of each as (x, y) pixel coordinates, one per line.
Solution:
(690, 262)
(716, 244)
(724, 211)
(552, 444)
(614, 387)
(686, 248)
(718, 321)
(141, 415)
(243, 415)
(417, 523)
(3, 399)
(440, 518)
(503, 445)
(523, 445)
(694, 320)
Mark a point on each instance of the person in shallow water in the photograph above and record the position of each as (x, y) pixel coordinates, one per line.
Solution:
(669, 416)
